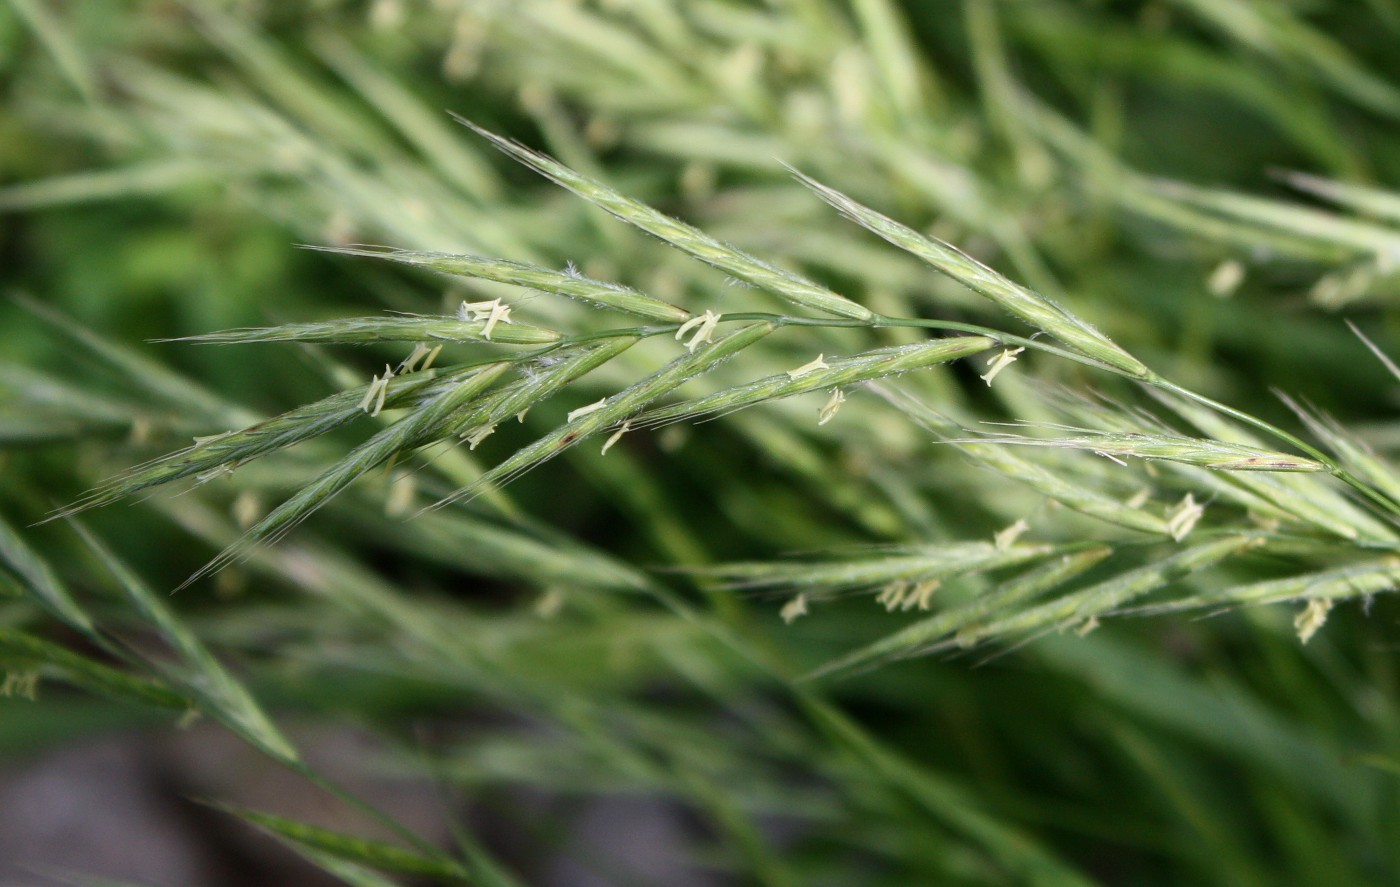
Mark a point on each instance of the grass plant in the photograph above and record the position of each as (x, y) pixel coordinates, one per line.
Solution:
(913, 460)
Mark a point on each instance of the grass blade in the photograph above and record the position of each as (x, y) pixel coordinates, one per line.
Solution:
(21, 650)
(364, 851)
(221, 695)
(41, 581)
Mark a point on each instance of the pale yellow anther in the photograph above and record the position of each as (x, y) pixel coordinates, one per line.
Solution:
(475, 436)
(585, 410)
(1007, 537)
(432, 356)
(410, 363)
(378, 389)
(924, 591)
(386, 15)
(892, 595)
(1184, 517)
(1312, 617)
(1003, 360)
(247, 508)
(817, 363)
(1226, 278)
(794, 608)
(704, 327)
(401, 494)
(218, 471)
(616, 436)
(492, 312)
(210, 438)
(921, 595)
(548, 605)
(833, 403)
(141, 429)
(19, 684)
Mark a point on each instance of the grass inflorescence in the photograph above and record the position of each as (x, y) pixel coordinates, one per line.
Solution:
(468, 404)
(856, 485)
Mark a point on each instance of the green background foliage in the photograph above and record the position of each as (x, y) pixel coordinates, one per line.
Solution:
(610, 624)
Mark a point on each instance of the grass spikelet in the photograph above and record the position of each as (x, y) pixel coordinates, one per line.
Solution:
(1055, 485)
(255, 441)
(1213, 454)
(1101, 599)
(865, 570)
(1353, 580)
(926, 633)
(539, 384)
(785, 284)
(368, 330)
(562, 283)
(617, 408)
(1353, 452)
(845, 371)
(430, 422)
(1037, 310)
(1305, 497)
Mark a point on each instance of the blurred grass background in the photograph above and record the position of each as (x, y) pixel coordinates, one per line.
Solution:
(160, 161)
